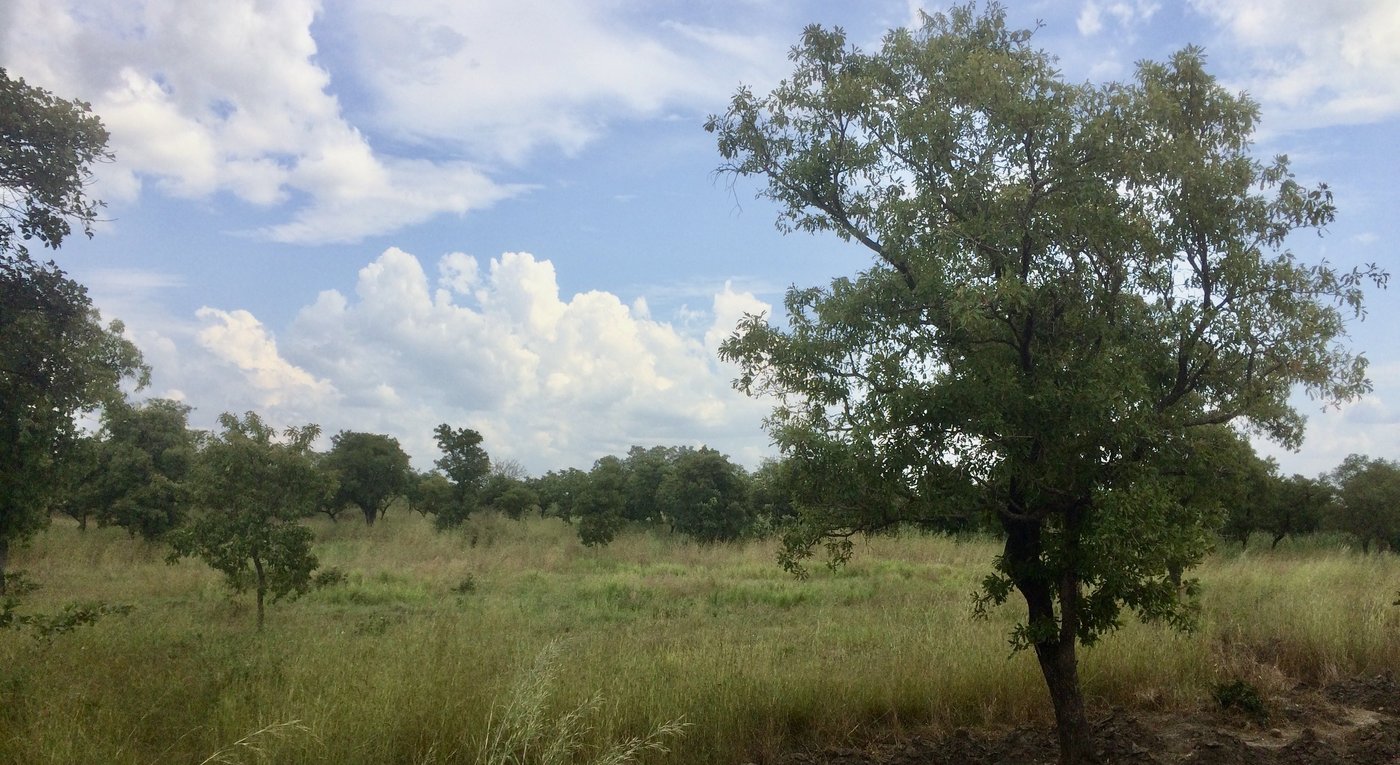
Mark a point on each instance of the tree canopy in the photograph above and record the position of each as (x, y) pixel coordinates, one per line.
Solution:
(1066, 280)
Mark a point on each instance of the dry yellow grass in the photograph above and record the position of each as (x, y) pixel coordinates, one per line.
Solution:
(404, 662)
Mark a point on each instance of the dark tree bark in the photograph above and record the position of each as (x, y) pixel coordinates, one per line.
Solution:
(1055, 650)
(262, 588)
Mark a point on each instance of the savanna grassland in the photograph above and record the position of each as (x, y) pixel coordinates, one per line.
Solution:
(408, 659)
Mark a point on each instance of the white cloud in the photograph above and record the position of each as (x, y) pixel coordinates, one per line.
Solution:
(548, 381)
(1369, 425)
(503, 79)
(1318, 64)
(202, 98)
(245, 347)
(1127, 15)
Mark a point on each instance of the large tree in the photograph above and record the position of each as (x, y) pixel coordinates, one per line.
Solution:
(371, 470)
(57, 358)
(253, 490)
(1067, 279)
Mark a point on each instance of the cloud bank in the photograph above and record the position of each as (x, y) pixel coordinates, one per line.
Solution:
(548, 381)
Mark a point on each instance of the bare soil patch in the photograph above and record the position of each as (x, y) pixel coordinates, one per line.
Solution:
(1353, 722)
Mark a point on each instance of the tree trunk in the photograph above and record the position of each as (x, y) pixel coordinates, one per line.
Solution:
(1059, 665)
(1277, 538)
(4, 559)
(262, 588)
(370, 514)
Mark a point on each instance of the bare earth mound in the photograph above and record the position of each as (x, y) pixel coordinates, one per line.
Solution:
(1355, 722)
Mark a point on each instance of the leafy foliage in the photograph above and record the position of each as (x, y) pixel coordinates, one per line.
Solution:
(1368, 500)
(135, 472)
(706, 496)
(601, 501)
(47, 149)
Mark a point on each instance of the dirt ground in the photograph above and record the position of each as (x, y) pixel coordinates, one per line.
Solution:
(1355, 722)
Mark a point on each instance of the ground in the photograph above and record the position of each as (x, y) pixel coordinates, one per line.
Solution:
(1354, 722)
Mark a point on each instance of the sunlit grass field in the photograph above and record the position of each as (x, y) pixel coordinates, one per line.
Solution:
(407, 660)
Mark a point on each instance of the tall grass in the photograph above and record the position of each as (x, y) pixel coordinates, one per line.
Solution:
(409, 659)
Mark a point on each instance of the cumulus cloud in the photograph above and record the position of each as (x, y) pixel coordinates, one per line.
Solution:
(1367, 426)
(1317, 64)
(548, 380)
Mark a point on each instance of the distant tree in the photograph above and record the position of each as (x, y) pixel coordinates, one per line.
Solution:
(466, 465)
(509, 468)
(601, 501)
(1368, 500)
(770, 493)
(1066, 279)
(508, 495)
(1298, 508)
(559, 491)
(705, 496)
(646, 468)
(78, 477)
(1227, 484)
(372, 470)
(57, 358)
(253, 490)
(145, 455)
(430, 493)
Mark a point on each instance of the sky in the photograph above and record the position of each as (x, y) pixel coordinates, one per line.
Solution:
(503, 215)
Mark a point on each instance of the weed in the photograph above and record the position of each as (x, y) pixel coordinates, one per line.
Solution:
(1241, 696)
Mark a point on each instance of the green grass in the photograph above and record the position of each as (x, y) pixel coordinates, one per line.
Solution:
(406, 661)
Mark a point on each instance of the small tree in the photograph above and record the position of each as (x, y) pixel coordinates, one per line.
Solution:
(254, 490)
(1066, 280)
(145, 456)
(371, 470)
(559, 491)
(430, 493)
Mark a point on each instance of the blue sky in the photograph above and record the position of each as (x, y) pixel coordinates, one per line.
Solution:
(501, 215)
